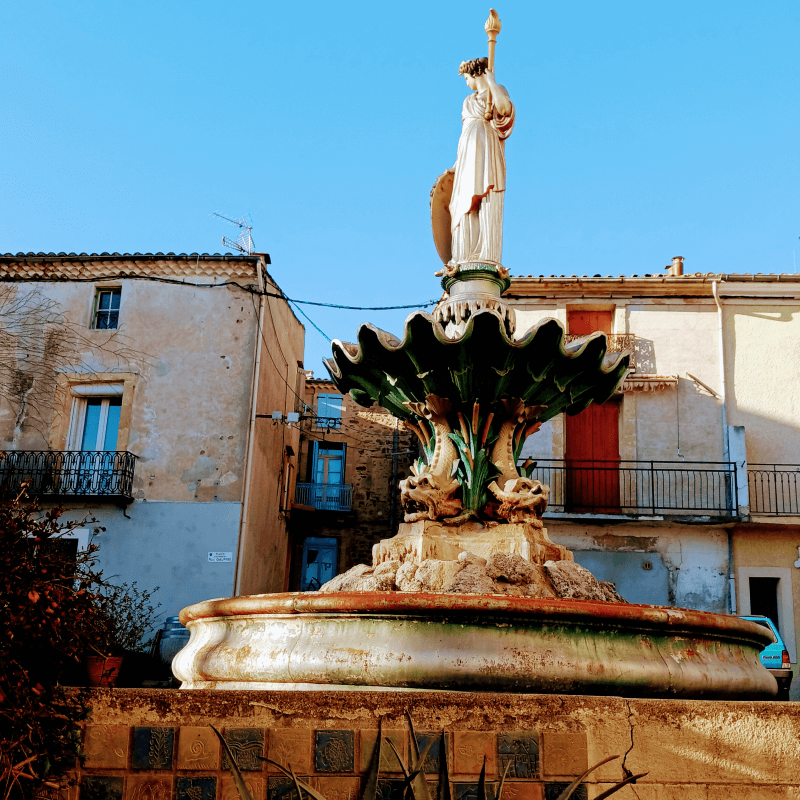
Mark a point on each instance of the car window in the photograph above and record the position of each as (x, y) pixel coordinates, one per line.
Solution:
(767, 623)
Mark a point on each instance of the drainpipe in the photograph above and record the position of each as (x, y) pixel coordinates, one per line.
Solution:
(725, 442)
(251, 439)
(393, 481)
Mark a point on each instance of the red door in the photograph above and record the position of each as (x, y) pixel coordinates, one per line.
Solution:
(592, 457)
(592, 446)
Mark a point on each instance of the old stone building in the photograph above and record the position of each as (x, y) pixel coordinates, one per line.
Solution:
(351, 460)
(685, 490)
(140, 389)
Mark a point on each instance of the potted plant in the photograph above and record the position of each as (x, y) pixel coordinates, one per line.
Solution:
(125, 617)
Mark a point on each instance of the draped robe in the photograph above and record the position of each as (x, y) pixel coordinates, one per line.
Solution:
(476, 206)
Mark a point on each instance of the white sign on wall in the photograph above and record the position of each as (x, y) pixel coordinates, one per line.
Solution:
(218, 557)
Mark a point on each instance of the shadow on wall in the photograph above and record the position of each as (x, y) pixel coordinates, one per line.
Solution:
(644, 355)
(763, 366)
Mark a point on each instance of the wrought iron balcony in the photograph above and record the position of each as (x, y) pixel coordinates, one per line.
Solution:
(325, 496)
(774, 489)
(617, 343)
(654, 488)
(65, 473)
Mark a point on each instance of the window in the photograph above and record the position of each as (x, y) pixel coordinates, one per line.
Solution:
(106, 309)
(92, 464)
(327, 490)
(95, 423)
(329, 411)
(328, 462)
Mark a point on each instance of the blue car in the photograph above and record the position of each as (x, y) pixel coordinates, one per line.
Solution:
(775, 657)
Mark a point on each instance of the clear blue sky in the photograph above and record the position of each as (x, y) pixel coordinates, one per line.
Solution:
(644, 131)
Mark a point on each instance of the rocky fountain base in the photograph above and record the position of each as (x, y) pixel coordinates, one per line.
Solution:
(515, 559)
(470, 609)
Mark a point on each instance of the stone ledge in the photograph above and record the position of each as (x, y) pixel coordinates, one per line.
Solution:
(694, 748)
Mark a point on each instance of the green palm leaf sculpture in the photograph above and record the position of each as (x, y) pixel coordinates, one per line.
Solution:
(473, 398)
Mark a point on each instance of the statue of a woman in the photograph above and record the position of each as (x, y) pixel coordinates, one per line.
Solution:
(476, 205)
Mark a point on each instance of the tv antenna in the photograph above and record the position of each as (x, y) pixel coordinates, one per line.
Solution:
(244, 241)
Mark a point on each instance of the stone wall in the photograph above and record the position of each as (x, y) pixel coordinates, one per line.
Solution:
(156, 744)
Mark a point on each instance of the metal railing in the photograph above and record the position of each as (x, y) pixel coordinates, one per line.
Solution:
(106, 319)
(68, 472)
(774, 489)
(657, 488)
(328, 422)
(617, 343)
(325, 496)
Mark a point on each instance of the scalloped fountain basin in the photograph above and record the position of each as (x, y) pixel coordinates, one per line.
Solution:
(397, 641)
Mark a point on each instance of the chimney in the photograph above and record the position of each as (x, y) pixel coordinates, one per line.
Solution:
(676, 267)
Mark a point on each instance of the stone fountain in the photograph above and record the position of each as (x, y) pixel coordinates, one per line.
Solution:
(471, 594)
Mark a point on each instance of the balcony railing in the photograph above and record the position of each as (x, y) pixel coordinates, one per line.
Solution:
(617, 343)
(774, 489)
(67, 473)
(325, 496)
(328, 422)
(657, 488)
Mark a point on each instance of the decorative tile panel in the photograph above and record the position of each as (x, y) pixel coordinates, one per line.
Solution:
(338, 788)
(283, 788)
(57, 792)
(246, 744)
(469, 748)
(198, 748)
(101, 787)
(226, 789)
(106, 746)
(523, 790)
(390, 790)
(389, 762)
(196, 789)
(564, 754)
(290, 746)
(149, 787)
(334, 751)
(433, 759)
(152, 748)
(520, 750)
(553, 789)
(469, 791)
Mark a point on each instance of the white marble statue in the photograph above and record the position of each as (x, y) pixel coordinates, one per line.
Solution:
(476, 205)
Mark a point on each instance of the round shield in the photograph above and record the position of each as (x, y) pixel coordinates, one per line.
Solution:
(440, 214)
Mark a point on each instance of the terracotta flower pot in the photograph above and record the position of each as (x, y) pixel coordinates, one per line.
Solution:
(103, 671)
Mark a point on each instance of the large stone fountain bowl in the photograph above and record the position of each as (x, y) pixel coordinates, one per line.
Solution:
(397, 641)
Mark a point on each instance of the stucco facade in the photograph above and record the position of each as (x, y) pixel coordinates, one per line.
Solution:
(717, 368)
(198, 356)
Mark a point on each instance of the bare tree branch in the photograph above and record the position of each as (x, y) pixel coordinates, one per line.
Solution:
(38, 342)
